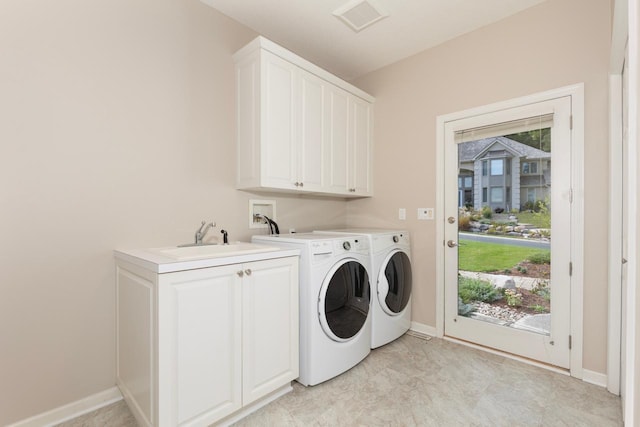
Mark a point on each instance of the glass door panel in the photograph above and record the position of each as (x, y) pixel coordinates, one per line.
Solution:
(508, 237)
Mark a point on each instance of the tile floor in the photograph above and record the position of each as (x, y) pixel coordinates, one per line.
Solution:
(414, 382)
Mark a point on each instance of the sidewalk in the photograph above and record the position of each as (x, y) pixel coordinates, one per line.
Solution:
(498, 280)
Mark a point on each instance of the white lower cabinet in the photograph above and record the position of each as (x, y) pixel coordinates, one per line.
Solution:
(196, 347)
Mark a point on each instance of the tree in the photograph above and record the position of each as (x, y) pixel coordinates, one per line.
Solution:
(538, 138)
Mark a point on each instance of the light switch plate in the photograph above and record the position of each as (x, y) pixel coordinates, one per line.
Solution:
(402, 214)
(425, 213)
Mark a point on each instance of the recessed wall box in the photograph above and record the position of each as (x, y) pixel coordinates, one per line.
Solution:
(261, 207)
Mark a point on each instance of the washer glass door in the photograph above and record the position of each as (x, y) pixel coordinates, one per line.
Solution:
(394, 283)
(344, 300)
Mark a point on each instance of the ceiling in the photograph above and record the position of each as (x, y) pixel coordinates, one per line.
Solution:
(308, 28)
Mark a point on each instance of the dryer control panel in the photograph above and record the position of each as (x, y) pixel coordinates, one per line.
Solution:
(322, 247)
(385, 241)
(352, 244)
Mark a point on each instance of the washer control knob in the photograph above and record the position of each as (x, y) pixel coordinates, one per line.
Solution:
(346, 246)
(396, 239)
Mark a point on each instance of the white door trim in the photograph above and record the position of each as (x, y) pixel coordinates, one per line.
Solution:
(619, 38)
(576, 92)
(615, 234)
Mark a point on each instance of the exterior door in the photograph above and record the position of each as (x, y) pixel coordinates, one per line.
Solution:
(518, 219)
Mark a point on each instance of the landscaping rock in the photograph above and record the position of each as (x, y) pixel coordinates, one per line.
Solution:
(509, 284)
(506, 314)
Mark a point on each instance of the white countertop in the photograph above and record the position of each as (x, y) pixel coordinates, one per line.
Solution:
(151, 259)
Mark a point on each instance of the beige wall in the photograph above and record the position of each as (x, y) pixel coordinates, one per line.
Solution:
(116, 130)
(557, 43)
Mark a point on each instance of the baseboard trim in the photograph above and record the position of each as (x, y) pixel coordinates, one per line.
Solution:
(72, 410)
(421, 330)
(595, 378)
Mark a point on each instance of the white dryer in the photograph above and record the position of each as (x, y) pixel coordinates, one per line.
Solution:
(335, 320)
(392, 281)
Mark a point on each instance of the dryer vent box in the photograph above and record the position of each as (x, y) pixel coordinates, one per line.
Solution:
(261, 207)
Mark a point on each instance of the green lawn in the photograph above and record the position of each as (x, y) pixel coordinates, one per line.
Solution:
(482, 257)
(539, 220)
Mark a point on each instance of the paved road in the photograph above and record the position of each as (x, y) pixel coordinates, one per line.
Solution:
(505, 240)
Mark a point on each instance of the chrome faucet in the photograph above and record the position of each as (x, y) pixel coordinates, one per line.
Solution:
(202, 231)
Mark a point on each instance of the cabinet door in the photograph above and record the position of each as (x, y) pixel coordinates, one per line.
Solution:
(278, 117)
(269, 326)
(337, 130)
(199, 351)
(312, 148)
(361, 147)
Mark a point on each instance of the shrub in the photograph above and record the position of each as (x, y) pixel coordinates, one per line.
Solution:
(477, 290)
(542, 257)
(464, 223)
(542, 289)
(513, 297)
(465, 309)
(538, 308)
(486, 212)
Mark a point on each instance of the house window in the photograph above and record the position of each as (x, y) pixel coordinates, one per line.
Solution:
(531, 195)
(484, 195)
(497, 167)
(508, 166)
(497, 195)
(484, 168)
(468, 182)
(530, 168)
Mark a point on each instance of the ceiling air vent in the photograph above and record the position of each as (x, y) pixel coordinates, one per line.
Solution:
(359, 14)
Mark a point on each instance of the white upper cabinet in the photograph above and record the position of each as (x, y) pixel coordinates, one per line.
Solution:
(360, 147)
(300, 128)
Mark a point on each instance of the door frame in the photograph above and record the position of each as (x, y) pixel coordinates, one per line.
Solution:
(576, 94)
(625, 34)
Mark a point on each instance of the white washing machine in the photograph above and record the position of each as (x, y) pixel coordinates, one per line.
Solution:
(391, 283)
(335, 320)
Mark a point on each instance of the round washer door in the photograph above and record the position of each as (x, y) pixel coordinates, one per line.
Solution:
(343, 303)
(394, 283)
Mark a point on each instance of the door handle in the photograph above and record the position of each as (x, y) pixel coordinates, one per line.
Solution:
(452, 244)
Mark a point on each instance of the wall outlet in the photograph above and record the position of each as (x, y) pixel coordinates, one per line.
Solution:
(426, 213)
(402, 214)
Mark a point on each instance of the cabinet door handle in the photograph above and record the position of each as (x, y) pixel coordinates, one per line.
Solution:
(297, 184)
(240, 273)
(302, 184)
(247, 272)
